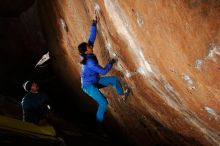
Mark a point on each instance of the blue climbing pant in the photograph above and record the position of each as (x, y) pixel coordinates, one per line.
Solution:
(94, 92)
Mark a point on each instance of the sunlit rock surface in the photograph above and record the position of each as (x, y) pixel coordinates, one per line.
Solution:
(168, 54)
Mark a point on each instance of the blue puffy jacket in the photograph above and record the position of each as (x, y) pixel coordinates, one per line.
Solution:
(91, 69)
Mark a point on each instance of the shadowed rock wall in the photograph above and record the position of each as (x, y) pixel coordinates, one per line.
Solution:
(22, 43)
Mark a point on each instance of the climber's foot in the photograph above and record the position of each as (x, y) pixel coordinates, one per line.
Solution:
(126, 94)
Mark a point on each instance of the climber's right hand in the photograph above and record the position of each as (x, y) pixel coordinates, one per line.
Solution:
(95, 18)
(112, 61)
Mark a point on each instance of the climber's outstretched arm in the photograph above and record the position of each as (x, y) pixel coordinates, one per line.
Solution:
(93, 31)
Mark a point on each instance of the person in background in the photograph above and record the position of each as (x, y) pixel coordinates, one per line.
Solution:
(91, 81)
(35, 104)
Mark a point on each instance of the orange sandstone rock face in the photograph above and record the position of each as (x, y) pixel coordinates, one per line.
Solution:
(168, 53)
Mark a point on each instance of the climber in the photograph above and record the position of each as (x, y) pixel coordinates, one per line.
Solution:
(91, 81)
(35, 105)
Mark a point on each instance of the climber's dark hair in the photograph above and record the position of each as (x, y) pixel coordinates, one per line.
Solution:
(82, 49)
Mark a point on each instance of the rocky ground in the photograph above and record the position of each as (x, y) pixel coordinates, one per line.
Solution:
(76, 132)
